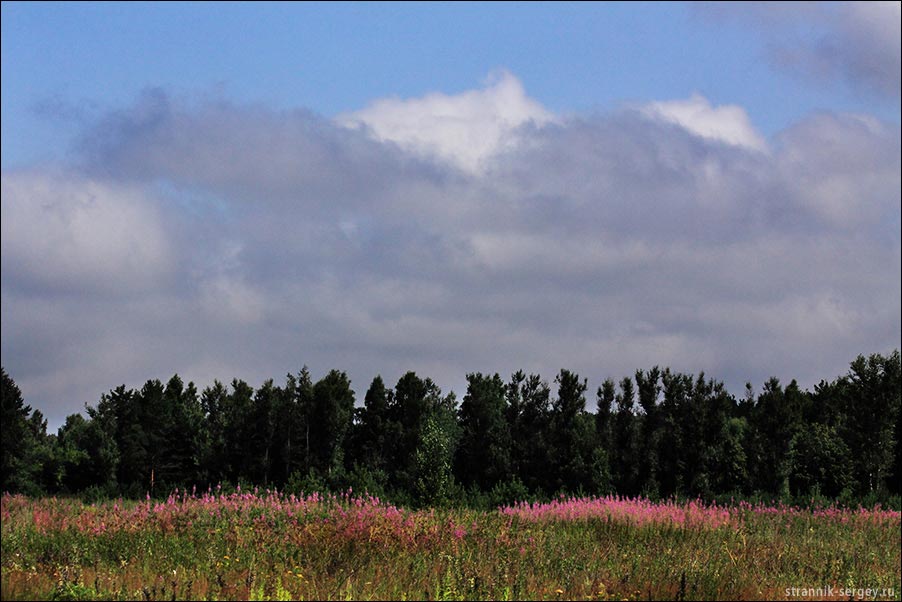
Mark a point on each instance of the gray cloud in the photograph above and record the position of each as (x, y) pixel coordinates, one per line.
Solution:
(219, 240)
(858, 42)
(65, 233)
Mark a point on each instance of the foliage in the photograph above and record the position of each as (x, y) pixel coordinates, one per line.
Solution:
(819, 462)
(657, 433)
(22, 434)
(432, 462)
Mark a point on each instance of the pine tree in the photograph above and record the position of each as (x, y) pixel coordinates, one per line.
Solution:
(484, 455)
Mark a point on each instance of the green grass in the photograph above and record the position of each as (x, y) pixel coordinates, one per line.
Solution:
(336, 550)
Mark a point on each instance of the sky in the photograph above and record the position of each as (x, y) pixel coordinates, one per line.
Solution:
(226, 190)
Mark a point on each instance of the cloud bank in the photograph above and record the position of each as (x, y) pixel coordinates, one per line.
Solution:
(220, 240)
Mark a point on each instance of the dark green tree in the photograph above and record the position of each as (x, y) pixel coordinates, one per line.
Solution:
(604, 414)
(48, 472)
(20, 464)
(291, 409)
(183, 434)
(296, 415)
(408, 410)
(579, 462)
(374, 431)
(626, 457)
(695, 451)
(776, 418)
(261, 438)
(89, 455)
(529, 416)
(330, 421)
(121, 416)
(239, 438)
(484, 455)
(731, 470)
(155, 419)
(649, 388)
(214, 457)
(819, 462)
(720, 458)
(673, 412)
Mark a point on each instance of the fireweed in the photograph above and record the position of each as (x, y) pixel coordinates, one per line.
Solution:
(269, 545)
(695, 513)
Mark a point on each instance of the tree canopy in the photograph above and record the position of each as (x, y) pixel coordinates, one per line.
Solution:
(656, 433)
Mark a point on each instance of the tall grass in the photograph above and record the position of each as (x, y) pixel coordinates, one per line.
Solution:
(264, 545)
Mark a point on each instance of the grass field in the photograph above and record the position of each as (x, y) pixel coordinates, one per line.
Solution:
(268, 546)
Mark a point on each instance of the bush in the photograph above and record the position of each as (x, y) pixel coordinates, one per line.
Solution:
(300, 483)
(368, 480)
(508, 492)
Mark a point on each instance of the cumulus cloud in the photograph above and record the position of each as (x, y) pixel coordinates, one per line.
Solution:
(727, 123)
(466, 129)
(255, 241)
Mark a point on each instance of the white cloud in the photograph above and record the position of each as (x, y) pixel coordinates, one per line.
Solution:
(76, 232)
(466, 129)
(726, 123)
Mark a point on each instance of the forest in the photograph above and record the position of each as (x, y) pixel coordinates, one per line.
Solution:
(657, 433)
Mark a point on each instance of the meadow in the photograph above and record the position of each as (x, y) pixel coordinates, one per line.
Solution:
(265, 545)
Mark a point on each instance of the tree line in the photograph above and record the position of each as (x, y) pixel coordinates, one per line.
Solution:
(656, 433)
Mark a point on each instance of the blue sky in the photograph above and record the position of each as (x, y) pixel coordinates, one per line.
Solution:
(236, 189)
(61, 61)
